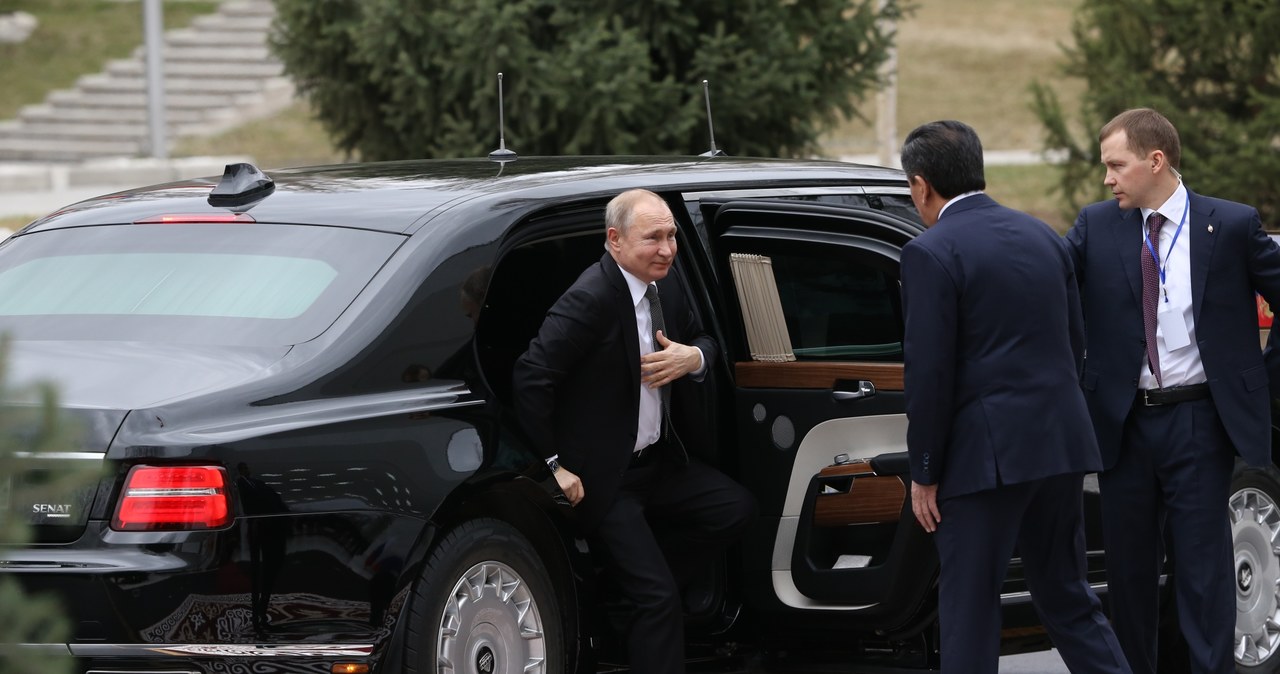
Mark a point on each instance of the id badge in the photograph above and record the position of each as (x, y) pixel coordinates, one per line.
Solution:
(1173, 328)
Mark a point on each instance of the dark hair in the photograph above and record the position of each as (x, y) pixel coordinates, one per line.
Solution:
(1146, 130)
(947, 154)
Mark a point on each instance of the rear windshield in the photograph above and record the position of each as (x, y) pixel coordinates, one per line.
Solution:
(250, 285)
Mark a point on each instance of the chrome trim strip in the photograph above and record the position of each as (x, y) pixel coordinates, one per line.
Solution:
(1011, 596)
(161, 492)
(224, 650)
(295, 416)
(64, 456)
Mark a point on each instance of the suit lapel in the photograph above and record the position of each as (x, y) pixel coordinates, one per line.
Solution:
(1129, 235)
(626, 316)
(1202, 243)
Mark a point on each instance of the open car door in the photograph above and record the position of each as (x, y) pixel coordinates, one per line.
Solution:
(819, 405)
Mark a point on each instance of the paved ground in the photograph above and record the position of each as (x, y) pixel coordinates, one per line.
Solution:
(1047, 662)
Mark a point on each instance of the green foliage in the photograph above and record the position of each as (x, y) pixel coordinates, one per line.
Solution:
(394, 79)
(1212, 68)
(30, 424)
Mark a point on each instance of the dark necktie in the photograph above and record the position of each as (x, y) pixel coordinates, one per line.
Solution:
(1151, 292)
(655, 324)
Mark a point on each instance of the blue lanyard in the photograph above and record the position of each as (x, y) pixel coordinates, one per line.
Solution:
(1162, 268)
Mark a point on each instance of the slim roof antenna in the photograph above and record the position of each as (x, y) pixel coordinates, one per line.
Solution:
(711, 127)
(502, 153)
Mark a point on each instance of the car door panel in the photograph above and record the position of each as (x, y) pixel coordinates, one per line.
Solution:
(836, 272)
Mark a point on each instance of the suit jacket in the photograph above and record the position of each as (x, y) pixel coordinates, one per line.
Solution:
(577, 388)
(1228, 264)
(994, 339)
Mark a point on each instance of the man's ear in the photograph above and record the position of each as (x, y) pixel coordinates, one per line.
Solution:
(920, 188)
(613, 238)
(1158, 160)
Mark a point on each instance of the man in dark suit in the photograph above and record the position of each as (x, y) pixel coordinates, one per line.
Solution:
(998, 433)
(1174, 380)
(593, 393)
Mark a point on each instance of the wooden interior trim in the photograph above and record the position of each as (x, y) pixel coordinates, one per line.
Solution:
(810, 374)
(870, 500)
(854, 468)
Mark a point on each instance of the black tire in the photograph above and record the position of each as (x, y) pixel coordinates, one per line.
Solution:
(1255, 536)
(485, 604)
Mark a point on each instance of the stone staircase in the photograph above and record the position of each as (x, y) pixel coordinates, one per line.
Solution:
(218, 73)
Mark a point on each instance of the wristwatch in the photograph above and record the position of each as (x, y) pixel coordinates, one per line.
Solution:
(553, 465)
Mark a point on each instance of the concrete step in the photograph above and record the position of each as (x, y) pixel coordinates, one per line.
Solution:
(172, 85)
(259, 23)
(106, 132)
(202, 69)
(73, 98)
(242, 53)
(185, 37)
(28, 149)
(248, 8)
(219, 72)
(43, 113)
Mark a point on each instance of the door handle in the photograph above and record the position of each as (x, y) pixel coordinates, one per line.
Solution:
(865, 390)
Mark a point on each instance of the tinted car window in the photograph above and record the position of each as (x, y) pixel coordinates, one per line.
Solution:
(837, 305)
(250, 285)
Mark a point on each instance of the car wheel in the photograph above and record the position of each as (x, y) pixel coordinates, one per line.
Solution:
(485, 605)
(1255, 534)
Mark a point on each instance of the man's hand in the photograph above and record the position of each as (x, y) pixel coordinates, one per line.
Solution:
(671, 362)
(924, 503)
(570, 484)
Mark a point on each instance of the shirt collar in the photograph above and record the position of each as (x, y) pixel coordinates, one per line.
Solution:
(954, 199)
(1173, 207)
(635, 285)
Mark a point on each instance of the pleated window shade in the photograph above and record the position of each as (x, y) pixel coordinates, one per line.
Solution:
(767, 335)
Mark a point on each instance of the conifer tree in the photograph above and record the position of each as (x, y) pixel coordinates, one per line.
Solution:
(1212, 68)
(30, 424)
(394, 79)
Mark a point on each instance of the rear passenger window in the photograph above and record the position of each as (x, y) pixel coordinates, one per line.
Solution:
(839, 309)
(824, 301)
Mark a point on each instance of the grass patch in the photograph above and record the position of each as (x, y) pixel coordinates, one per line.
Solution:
(15, 223)
(291, 137)
(75, 37)
(972, 60)
(1030, 189)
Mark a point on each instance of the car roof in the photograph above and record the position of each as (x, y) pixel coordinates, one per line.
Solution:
(402, 196)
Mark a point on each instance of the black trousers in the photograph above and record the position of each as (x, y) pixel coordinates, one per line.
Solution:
(667, 523)
(975, 540)
(1175, 467)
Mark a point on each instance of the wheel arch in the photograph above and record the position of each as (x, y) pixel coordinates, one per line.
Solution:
(528, 506)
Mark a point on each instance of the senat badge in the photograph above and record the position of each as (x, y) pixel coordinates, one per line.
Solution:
(1210, 229)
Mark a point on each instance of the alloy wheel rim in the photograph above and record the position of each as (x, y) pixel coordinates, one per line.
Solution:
(1255, 536)
(490, 625)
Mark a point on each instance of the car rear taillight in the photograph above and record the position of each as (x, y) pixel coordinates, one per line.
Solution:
(172, 498)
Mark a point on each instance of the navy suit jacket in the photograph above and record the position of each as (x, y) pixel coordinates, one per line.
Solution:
(577, 388)
(994, 340)
(1228, 264)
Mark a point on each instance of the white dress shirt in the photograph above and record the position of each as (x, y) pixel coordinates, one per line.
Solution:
(650, 425)
(1183, 366)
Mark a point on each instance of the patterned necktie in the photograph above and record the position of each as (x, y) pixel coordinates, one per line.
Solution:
(655, 324)
(1151, 292)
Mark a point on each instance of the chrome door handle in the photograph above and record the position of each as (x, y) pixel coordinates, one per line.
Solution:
(865, 390)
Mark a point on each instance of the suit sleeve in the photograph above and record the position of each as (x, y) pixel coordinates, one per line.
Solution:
(1264, 275)
(570, 330)
(1075, 238)
(930, 301)
(1075, 314)
(691, 329)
